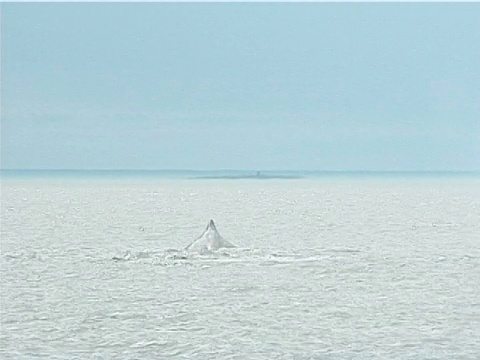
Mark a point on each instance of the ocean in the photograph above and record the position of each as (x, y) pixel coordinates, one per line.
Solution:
(348, 266)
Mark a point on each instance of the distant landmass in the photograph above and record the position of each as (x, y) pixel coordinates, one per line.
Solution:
(257, 175)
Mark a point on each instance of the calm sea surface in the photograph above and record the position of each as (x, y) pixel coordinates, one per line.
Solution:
(339, 268)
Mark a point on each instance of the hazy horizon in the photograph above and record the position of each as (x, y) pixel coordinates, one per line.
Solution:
(242, 170)
(274, 86)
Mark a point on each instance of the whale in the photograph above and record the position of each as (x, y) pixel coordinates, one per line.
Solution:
(210, 240)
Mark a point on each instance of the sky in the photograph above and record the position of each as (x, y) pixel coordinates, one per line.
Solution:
(263, 86)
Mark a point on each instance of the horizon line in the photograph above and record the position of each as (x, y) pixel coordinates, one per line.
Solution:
(249, 170)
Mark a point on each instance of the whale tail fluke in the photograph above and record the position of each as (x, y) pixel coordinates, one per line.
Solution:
(210, 240)
(211, 225)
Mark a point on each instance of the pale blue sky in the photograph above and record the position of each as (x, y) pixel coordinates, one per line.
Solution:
(326, 86)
